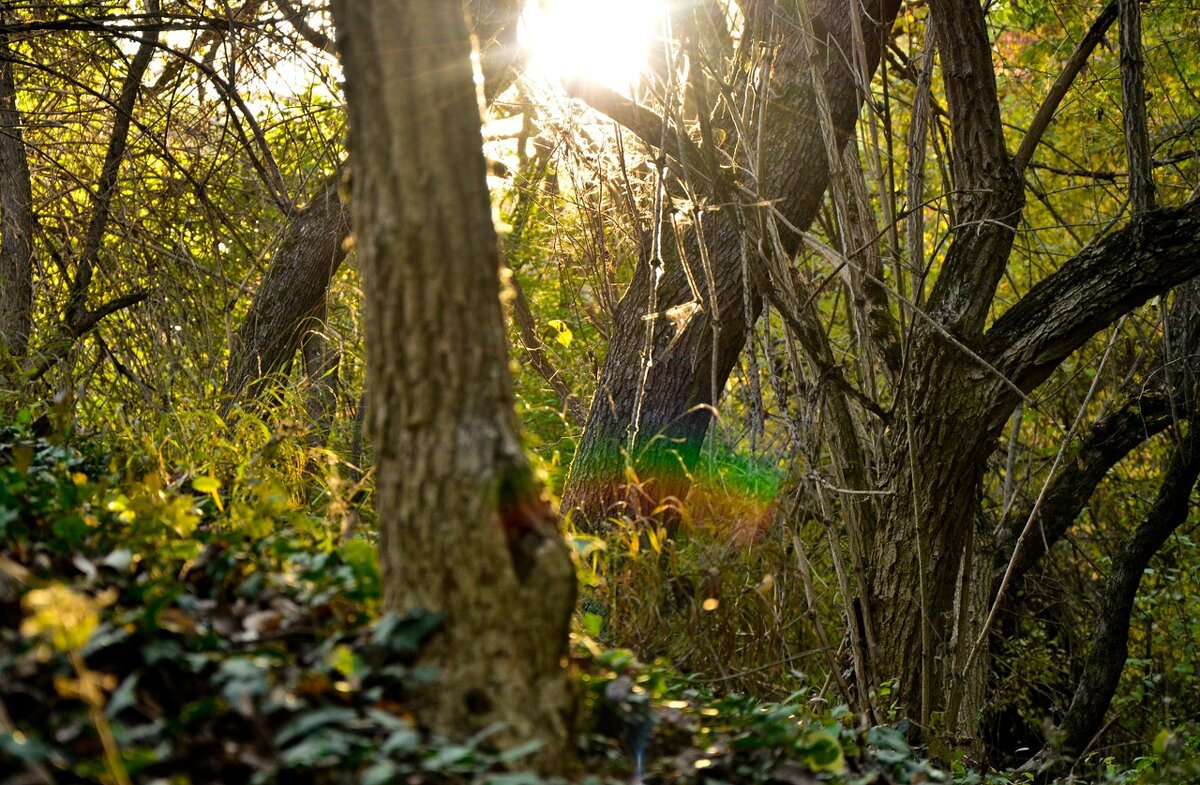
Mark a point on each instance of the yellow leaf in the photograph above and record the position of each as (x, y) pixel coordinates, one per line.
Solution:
(66, 617)
(208, 484)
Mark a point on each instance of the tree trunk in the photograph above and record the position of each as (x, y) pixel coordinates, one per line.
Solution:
(926, 537)
(292, 294)
(464, 528)
(16, 202)
(1110, 638)
(291, 297)
(688, 369)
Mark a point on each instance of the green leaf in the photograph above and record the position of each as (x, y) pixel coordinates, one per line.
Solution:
(565, 335)
(306, 723)
(22, 747)
(327, 745)
(403, 741)
(1161, 741)
(448, 757)
(887, 739)
(516, 778)
(342, 659)
(382, 773)
(405, 634)
(521, 751)
(123, 697)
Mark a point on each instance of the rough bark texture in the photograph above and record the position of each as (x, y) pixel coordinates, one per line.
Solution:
(1133, 108)
(291, 298)
(926, 539)
(1111, 277)
(292, 294)
(926, 532)
(16, 202)
(464, 529)
(687, 370)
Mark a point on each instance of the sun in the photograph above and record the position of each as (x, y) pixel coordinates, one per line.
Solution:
(602, 41)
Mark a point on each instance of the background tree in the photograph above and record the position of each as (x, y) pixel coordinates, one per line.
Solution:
(796, 92)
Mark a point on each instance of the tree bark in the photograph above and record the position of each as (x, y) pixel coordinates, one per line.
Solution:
(16, 202)
(291, 296)
(921, 580)
(686, 369)
(464, 528)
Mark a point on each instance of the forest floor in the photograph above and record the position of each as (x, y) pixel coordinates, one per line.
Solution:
(190, 629)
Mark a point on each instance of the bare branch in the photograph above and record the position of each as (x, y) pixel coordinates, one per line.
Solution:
(535, 352)
(1110, 639)
(76, 314)
(1104, 445)
(296, 16)
(1066, 77)
(688, 163)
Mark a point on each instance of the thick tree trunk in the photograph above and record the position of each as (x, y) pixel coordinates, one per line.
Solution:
(924, 553)
(16, 203)
(291, 298)
(686, 370)
(926, 612)
(464, 528)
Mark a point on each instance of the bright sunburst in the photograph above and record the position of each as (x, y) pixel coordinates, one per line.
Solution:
(604, 41)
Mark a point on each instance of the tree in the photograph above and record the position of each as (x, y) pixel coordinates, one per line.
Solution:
(653, 402)
(16, 201)
(907, 393)
(287, 312)
(464, 529)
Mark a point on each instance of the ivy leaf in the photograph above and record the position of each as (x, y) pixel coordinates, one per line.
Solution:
(823, 752)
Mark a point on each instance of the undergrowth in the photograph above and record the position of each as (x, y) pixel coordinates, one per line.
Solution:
(192, 612)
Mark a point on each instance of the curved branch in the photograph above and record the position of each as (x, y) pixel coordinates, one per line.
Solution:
(1106, 443)
(76, 314)
(495, 23)
(296, 16)
(989, 193)
(1110, 639)
(684, 156)
(1152, 254)
(535, 353)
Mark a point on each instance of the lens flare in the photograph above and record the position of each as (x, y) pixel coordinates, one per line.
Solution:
(603, 41)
